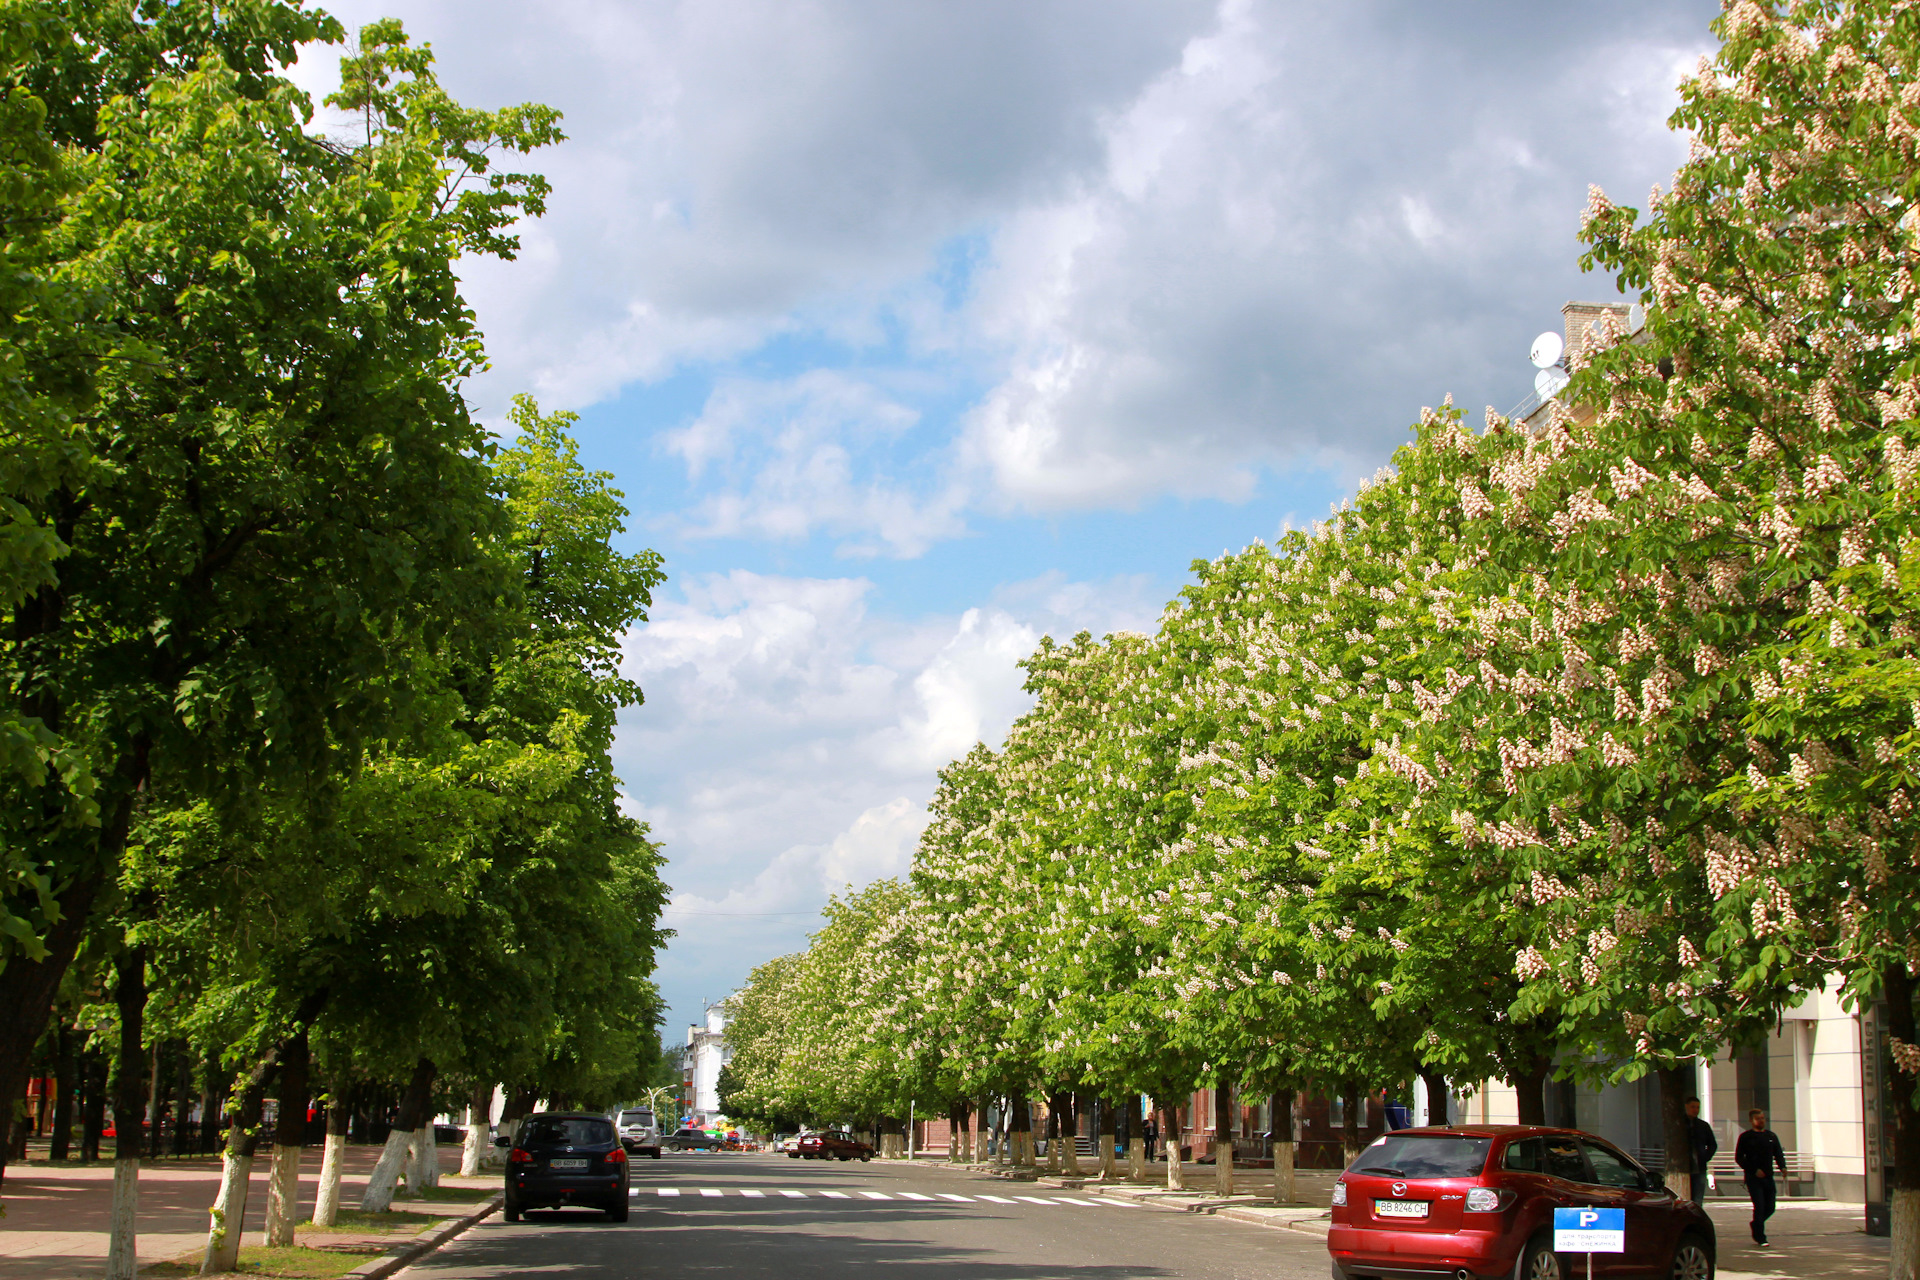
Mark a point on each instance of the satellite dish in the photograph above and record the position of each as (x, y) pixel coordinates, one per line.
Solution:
(1547, 382)
(1547, 350)
(1636, 318)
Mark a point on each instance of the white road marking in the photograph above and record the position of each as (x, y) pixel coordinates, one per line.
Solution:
(876, 1195)
(754, 1192)
(1033, 1199)
(711, 1191)
(793, 1195)
(913, 1195)
(667, 1191)
(1071, 1200)
(1105, 1204)
(836, 1195)
(997, 1199)
(946, 1195)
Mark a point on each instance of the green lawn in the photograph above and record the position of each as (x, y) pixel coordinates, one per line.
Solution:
(296, 1263)
(361, 1220)
(449, 1195)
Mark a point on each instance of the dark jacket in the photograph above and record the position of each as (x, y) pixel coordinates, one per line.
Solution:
(1702, 1143)
(1757, 1151)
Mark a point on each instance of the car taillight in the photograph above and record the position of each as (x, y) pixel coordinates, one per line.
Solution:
(617, 1156)
(1487, 1200)
(520, 1156)
(1339, 1193)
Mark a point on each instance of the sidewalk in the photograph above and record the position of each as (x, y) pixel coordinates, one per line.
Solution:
(55, 1226)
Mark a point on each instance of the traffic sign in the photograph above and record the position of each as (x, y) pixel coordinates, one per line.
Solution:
(1589, 1230)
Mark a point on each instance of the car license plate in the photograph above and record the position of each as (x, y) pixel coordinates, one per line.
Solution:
(566, 1164)
(1401, 1208)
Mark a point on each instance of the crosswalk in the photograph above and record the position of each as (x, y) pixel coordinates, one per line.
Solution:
(861, 1197)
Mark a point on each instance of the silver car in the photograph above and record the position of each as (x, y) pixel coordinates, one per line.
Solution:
(638, 1132)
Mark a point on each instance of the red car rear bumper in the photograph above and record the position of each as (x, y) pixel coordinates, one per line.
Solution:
(1420, 1255)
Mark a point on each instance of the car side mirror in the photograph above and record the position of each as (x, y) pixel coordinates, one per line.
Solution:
(503, 1141)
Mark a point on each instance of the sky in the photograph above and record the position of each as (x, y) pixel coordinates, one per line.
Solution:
(914, 330)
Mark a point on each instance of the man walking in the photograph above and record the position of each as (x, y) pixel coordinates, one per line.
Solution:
(1701, 1145)
(1757, 1153)
(1150, 1132)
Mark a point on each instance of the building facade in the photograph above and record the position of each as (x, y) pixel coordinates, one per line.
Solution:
(700, 1062)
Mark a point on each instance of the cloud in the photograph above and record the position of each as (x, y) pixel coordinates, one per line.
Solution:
(1314, 221)
(788, 457)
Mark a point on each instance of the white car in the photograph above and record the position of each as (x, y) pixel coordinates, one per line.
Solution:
(791, 1146)
(638, 1131)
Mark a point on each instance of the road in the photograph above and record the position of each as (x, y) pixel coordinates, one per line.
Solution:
(770, 1218)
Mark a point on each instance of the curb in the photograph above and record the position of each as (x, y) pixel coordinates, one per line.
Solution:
(1314, 1226)
(421, 1245)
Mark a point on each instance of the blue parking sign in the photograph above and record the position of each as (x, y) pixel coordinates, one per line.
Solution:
(1589, 1230)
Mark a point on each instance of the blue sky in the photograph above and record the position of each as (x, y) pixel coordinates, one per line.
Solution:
(915, 331)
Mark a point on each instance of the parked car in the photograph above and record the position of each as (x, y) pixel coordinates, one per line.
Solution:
(1478, 1200)
(638, 1132)
(447, 1133)
(789, 1146)
(693, 1140)
(833, 1146)
(565, 1158)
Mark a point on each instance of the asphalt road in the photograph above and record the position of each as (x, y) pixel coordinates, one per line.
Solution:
(756, 1216)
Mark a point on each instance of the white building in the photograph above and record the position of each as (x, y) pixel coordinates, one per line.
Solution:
(700, 1064)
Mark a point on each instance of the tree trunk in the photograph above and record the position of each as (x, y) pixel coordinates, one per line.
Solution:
(1529, 1081)
(1170, 1138)
(1437, 1098)
(1676, 1085)
(27, 996)
(1109, 1136)
(182, 1102)
(479, 1130)
(1019, 1128)
(1053, 1133)
(289, 1137)
(229, 1215)
(423, 1160)
(1070, 1134)
(66, 1080)
(957, 1152)
(93, 1116)
(326, 1200)
(129, 1111)
(1282, 1130)
(393, 1157)
(1350, 1126)
(1903, 1194)
(1223, 1127)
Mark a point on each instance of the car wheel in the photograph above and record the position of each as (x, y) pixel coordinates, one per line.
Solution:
(511, 1209)
(617, 1212)
(1541, 1262)
(864, 1159)
(845, 1158)
(656, 1153)
(1692, 1260)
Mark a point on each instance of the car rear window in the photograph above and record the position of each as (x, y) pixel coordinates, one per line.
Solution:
(1424, 1155)
(572, 1131)
(636, 1117)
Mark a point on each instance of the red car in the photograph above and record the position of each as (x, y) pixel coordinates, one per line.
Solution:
(1477, 1201)
(832, 1146)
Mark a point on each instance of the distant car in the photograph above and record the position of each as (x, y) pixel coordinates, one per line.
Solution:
(638, 1132)
(449, 1133)
(561, 1158)
(833, 1146)
(693, 1140)
(1478, 1200)
(790, 1146)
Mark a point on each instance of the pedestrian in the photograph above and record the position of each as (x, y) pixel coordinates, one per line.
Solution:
(1150, 1131)
(1701, 1145)
(1757, 1152)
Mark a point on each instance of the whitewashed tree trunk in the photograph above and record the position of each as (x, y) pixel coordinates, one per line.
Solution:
(1070, 1145)
(423, 1161)
(479, 1131)
(1053, 1151)
(1223, 1167)
(1904, 1246)
(122, 1240)
(378, 1197)
(1137, 1158)
(283, 1195)
(326, 1201)
(1176, 1175)
(1283, 1172)
(1108, 1164)
(229, 1215)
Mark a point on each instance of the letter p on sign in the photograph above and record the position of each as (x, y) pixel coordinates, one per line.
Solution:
(1589, 1230)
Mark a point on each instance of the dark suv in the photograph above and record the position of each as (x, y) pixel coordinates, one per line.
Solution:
(565, 1158)
(1478, 1201)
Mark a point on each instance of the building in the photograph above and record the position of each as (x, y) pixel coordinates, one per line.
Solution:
(700, 1064)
